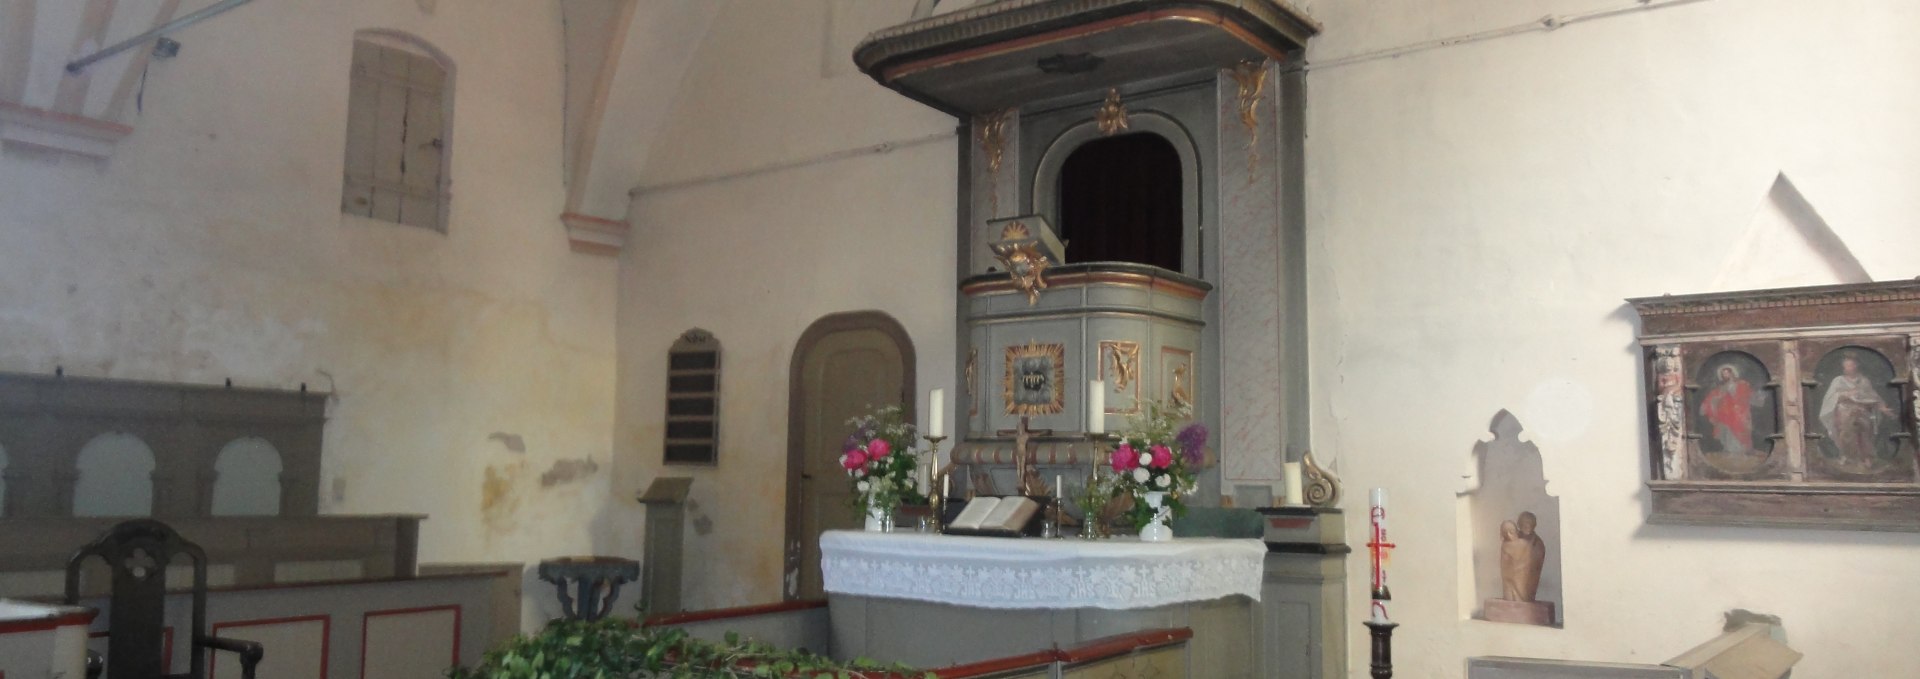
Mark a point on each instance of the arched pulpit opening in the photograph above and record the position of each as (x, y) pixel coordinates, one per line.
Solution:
(1120, 201)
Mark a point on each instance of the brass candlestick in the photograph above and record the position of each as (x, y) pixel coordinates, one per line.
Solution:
(936, 483)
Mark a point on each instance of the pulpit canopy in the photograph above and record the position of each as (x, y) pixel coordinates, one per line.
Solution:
(1006, 53)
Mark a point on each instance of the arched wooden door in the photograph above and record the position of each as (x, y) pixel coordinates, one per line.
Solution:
(843, 364)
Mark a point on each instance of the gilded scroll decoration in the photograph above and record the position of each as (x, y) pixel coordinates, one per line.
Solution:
(1035, 379)
(1252, 79)
(1670, 410)
(1112, 115)
(1020, 255)
(1322, 488)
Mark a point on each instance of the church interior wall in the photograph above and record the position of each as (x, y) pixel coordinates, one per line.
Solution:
(756, 216)
(211, 246)
(1477, 213)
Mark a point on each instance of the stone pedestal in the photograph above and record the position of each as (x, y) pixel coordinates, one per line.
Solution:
(1523, 612)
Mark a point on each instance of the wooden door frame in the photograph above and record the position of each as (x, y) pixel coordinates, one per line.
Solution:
(846, 321)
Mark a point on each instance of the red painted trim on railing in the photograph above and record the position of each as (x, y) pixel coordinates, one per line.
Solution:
(997, 665)
(76, 618)
(326, 633)
(1121, 644)
(369, 615)
(738, 612)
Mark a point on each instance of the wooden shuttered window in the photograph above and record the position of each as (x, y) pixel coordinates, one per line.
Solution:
(693, 400)
(396, 135)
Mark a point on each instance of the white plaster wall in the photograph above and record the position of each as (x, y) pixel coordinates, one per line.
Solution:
(756, 259)
(1477, 213)
(212, 246)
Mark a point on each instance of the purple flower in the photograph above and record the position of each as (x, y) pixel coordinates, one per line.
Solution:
(1192, 440)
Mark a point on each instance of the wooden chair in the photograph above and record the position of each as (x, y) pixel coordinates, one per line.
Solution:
(138, 552)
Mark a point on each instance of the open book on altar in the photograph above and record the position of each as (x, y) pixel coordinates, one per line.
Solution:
(1010, 516)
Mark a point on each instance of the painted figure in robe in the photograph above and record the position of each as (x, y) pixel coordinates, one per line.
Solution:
(1728, 408)
(1852, 412)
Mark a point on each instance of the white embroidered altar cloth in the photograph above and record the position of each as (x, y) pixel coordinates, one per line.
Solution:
(982, 572)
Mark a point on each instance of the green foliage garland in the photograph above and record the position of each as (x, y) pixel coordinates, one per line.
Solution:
(616, 648)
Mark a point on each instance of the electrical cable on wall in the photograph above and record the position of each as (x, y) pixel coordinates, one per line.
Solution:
(1547, 23)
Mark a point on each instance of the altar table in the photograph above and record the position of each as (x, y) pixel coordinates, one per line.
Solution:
(935, 600)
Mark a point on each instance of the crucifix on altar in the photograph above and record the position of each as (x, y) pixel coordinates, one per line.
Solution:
(1026, 477)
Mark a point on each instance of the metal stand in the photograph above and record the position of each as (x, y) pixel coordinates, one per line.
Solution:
(1382, 648)
(936, 484)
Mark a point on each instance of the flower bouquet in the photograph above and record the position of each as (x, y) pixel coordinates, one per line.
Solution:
(1155, 461)
(880, 459)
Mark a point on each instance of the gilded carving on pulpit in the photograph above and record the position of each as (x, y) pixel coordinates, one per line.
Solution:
(1251, 76)
(1176, 367)
(1112, 115)
(1035, 379)
(1020, 254)
(1856, 419)
(1120, 367)
(990, 131)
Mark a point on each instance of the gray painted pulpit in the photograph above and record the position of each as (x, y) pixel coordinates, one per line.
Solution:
(1130, 221)
(666, 501)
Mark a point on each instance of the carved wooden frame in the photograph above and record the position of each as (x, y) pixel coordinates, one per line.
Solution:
(1789, 331)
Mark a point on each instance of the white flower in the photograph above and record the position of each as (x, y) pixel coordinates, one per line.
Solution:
(1140, 475)
(1146, 459)
(863, 486)
(1161, 482)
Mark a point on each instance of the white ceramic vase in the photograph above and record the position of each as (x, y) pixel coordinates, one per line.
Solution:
(1157, 529)
(878, 521)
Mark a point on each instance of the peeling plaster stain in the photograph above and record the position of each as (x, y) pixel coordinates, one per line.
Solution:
(564, 471)
(513, 442)
(702, 524)
(498, 499)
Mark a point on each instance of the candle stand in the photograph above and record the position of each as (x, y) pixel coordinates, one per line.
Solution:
(1382, 648)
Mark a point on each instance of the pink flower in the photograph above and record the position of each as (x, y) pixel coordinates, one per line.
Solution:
(879, 448)
(1162, 456)
(853, 460)
(1124, 458)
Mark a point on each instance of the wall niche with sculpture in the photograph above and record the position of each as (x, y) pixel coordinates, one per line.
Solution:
(1788, 407)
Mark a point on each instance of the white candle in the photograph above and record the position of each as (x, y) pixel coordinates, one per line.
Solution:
(1379, 546)
(1296, 494)
(937, 413)
(1097, 407)
(946, 486)
(1059, 485)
